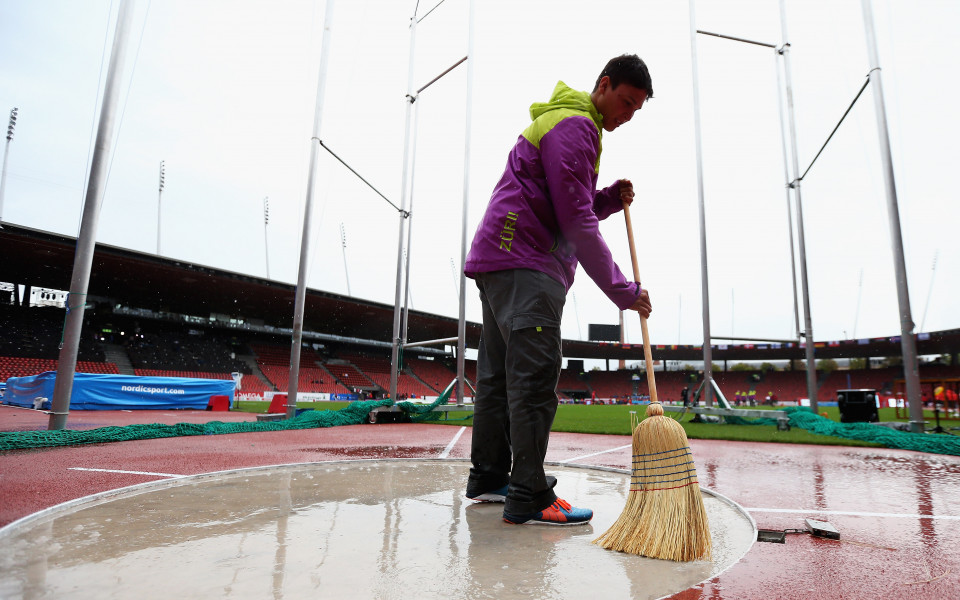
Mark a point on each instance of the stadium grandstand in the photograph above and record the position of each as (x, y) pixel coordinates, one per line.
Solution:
(150, 316)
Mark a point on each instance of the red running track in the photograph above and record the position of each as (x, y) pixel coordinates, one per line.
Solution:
(898, 511)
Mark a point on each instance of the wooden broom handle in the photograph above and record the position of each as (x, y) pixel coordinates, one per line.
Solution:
(651, 382)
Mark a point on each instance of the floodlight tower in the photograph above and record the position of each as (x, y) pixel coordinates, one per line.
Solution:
(6, 152)
(163, 174)
(343, 244)
(266, 244)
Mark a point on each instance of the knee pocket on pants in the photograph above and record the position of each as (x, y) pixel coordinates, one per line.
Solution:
(534, 356)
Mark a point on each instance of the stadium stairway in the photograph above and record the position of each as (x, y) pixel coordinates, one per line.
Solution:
(822, 377)
(408, 371)
(118, 355)
(251, 361)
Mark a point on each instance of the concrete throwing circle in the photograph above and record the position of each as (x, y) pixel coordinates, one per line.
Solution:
(352, 529)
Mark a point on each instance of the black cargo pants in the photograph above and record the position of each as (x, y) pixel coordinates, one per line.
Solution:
(518, 367)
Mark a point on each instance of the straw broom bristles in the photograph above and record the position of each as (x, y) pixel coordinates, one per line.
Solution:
(664, 516)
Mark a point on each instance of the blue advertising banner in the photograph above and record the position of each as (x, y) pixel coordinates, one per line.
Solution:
(95, 391)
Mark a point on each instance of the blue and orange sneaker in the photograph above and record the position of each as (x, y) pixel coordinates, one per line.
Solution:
(499, 495)
(558, 513)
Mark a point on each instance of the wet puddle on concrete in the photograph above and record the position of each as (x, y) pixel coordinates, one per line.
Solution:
(349, 529)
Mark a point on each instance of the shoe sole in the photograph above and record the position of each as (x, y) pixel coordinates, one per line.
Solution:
(488, 498)
(548, 523)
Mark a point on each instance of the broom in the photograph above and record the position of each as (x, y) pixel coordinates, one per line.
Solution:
(664, 516)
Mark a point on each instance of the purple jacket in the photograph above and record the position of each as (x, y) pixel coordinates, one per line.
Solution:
(545, 212)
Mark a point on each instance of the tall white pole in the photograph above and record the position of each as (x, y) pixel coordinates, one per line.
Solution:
(856, 317)
(623, 336)
(266, 240)
(343, 243)
(926, 306)
(456, 279)
(805, 288)
(300, 298)
(6, 154)
(908, 342)
(704, 278)
(159, 199)
(86, 239)
(679, 316)
(3, 175)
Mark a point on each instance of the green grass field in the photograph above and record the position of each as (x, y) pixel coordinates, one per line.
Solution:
(615, 420)
(261, 407)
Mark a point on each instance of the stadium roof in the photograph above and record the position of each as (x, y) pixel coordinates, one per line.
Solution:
(141, 280)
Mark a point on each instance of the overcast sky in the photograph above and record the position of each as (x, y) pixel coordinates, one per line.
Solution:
(224, 93)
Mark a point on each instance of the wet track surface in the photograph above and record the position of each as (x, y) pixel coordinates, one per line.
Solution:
(344, 529)
(898, 512)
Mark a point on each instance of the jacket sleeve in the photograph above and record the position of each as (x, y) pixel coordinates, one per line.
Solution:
(607, 201)
(569, 153)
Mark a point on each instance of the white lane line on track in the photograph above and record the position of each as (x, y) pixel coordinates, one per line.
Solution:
(453, 442)
(566, 460)
(853, 513)
(126, 472)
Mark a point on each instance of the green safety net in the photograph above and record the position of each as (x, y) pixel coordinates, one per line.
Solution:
(352, 414)
(804, 418)
(891, 438)
(735, 420)
(420, 413)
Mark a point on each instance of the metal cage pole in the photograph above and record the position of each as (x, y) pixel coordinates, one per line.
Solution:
(907, 338)
(401, 310)
(404, 328)
(462, 320)
(795, 184)
(300, 297)
(786, 176)
(704, 279)
(404, 191)
(87, 237)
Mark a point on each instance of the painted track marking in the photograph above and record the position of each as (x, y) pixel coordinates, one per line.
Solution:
(566, 460)
(850, 513)
(453, 442)
(125, 472)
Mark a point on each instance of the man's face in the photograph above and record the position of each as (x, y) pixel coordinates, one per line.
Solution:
(617, 105)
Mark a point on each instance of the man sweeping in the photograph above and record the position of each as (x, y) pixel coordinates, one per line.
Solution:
(542, 220)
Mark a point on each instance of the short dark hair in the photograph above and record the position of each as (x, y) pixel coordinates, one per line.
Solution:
(627, 68)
